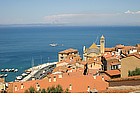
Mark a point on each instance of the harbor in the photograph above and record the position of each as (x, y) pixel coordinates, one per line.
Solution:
(5, 72)
(36, 72)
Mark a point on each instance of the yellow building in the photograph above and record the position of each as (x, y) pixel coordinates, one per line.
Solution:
(94, 50)
(64, 54)
(129, 63)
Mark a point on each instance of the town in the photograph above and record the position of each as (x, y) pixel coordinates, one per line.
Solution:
(101, 70)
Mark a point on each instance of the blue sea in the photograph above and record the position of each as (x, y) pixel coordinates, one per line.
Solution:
(20, 45)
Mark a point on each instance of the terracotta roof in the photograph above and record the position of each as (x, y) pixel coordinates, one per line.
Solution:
(82, 62)
(60, 69)
(78, 81)
(68, 51)
(134, 54)
(109, 49)
(110, 56)
(127, 48)
(113, 72)
(115, 63)
(124, 79)
(118, 91)
(120, 46)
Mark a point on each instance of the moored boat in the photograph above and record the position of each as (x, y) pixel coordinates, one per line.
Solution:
(19, 78)
(2, 70)
(2, 75)
(5, 75)
(16, 70)
(24, 74)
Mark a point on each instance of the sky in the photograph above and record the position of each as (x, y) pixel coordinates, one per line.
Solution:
(70, 12)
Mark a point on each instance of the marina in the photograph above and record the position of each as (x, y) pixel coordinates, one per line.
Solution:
(9, 70)
(36, 72)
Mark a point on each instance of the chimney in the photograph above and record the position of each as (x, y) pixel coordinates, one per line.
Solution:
(60, 75)
(49, 79)
(37, 87)
(22, 86)
(103, 78)
(54, 78)
(88, 90)
(33, 78)
(70, 87)
(16, 88)
(94, 77)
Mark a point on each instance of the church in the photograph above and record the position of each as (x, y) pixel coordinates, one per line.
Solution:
(94, 50)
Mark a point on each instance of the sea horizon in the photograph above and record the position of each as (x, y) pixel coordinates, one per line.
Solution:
(63, 25)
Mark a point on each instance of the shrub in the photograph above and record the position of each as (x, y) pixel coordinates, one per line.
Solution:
(134, 73)
(53, 89)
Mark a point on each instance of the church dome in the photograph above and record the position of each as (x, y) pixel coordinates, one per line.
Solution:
(93, 49)
(93, 46)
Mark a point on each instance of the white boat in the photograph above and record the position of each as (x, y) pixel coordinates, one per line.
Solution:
(5, 75)
(53, 44)
(19, 77)
(24, 74)
(2, 70)
(2, 75)
(16, 70)
(6, 70)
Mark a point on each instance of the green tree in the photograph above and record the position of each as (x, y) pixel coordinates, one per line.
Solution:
(30, 90)
(59, 89)
(53, 89)
(67, 90)
(134, 73)
(43, 91)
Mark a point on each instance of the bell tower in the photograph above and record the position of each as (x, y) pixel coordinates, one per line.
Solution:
(102, 44)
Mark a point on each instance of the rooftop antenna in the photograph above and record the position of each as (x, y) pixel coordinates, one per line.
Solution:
(96, 39)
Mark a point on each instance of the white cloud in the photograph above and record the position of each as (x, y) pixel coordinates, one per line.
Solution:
(132, 12)
(94, 19)
(75, 18)
(62, 18)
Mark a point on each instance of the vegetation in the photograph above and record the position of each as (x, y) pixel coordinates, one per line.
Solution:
(134, 73)
(43, 91)
(52, 89)
(30, 90)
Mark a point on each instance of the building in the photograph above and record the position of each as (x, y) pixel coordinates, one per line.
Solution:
(111, 61)
(125, 50)
(94, 50)
(113, 73)
(130, 63)
(2, 85)
(64, 54)
(75, 81)
(124, 85)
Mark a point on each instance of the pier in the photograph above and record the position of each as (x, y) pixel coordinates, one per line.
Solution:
(37, 71)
